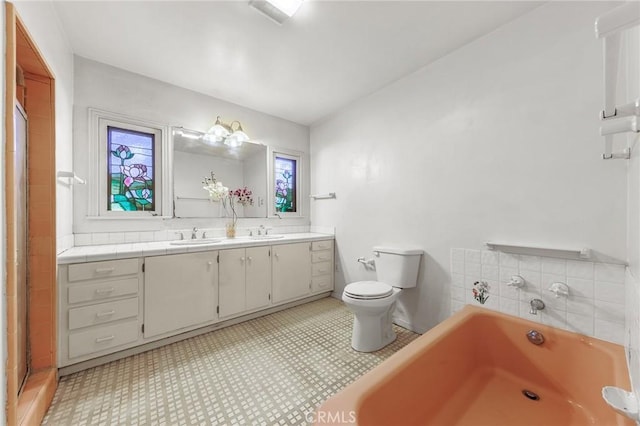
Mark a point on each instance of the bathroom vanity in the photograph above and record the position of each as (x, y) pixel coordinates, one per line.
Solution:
(118, 300)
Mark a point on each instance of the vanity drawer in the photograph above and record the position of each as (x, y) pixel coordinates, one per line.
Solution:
(322, 245)
(102, 313)
(321, 256)
(321, 268)
(102, 290)
(321, 283)
(111, 268)
(101, 338)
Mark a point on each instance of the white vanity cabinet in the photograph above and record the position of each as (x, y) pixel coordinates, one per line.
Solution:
(244, 280)
(291, 276)
(132, 304)
(100, 309)
(180, 292)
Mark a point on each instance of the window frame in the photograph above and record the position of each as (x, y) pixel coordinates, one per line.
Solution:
(292, 155)
(99, 122)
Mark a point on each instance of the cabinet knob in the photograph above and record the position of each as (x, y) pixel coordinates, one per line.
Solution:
(242, 259)
(250, 258)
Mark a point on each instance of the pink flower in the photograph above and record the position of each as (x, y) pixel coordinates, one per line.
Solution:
(134, 172)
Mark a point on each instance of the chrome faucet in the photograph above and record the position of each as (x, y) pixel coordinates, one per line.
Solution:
(261, 229)
(536, 305)
(194, 233)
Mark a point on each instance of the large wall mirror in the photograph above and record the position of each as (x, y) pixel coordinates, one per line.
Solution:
(194, 158)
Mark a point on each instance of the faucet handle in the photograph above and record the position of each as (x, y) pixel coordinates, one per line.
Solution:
(180, 233)
(516, 281)
(559, 289)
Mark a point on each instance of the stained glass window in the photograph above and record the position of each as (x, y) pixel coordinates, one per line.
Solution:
(285, 184)
(131, 174)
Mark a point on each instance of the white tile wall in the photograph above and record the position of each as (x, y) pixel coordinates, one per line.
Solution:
(632, 328)
(101, 238)
(596, 302)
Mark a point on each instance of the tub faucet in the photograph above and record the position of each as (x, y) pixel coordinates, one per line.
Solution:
(194, 233)
(536, 305)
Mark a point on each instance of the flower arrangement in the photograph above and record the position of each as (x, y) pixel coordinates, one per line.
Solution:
(481, 291)
(230, 199)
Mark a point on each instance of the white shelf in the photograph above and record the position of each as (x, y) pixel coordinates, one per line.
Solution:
(580, 254)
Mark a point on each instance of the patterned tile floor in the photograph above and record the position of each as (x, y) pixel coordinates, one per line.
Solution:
(273, 370)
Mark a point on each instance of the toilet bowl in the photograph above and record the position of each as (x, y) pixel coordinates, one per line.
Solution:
(373, 302)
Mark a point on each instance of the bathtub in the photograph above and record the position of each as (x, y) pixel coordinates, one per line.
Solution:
(475, 368)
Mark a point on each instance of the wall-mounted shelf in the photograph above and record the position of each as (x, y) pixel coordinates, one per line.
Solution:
(323, 196)
(72, 177)
(581, 254)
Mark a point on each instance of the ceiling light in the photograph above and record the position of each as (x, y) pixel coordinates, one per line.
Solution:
(278, 10)
(231, 134)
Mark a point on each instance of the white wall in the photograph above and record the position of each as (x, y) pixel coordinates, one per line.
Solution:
(41, 21)
(496, 141)
(629, 90)
(101, 86)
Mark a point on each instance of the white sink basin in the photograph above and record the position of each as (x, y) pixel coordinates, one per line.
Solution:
(195, 242)
(266, 237)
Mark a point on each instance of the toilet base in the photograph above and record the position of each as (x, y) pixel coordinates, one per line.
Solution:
(372, 332)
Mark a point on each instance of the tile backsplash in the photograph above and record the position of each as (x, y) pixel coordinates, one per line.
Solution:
(101, 238)
(595, 305)
(632, 329)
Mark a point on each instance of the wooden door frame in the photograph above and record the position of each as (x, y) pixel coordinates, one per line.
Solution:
(30, 406)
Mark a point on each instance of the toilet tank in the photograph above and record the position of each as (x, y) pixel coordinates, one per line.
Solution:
(397, 266)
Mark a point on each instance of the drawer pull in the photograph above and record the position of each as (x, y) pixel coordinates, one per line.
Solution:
(105, 290)
(105, 339)
(105, 314)
(322, 271)
(104, 270)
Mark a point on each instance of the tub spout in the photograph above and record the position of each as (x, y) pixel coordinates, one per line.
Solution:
(536, 305)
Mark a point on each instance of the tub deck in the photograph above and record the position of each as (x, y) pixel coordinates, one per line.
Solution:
(471, 370)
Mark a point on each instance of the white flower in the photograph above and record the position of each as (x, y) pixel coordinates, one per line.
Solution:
(217, 191)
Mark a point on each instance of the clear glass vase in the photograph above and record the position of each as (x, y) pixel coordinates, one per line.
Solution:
(230, 229)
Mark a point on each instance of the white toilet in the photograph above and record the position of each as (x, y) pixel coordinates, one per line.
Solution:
(373, 302)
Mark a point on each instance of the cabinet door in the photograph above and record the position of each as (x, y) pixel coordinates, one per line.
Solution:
(231, 290)
(258, 278)
(291, 271)
(180, 291)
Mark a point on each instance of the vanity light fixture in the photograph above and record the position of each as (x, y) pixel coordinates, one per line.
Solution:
(227, 133)
(189, 134)
(277, 10)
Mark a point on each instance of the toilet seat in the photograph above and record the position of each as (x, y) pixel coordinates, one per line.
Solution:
(368, 290)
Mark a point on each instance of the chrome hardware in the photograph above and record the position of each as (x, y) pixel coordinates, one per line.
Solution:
(181, 235)
(535, 337)
(559, 289)
(516, 281)
(194, 233)
(536, 305)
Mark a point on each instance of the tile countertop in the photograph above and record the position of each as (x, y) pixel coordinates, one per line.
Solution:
(82, 254)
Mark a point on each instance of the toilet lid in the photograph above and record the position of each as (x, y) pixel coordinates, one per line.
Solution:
(368, 290)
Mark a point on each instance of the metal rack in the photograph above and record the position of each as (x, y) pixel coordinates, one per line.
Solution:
(616, 118)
